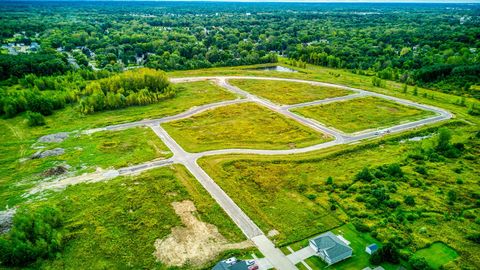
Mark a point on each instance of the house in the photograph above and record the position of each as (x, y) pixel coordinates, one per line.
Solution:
(370, 249)
(34, 46)
(330, 248)
(235, 264)
(376, 268)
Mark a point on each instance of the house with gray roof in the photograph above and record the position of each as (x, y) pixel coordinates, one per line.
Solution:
(235, 264)
(331, 248)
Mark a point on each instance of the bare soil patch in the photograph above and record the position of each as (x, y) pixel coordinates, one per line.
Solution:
(196, 243)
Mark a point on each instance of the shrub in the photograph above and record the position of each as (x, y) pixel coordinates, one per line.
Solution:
(35, 119)
(387, 253)
(474, 237)
(360, 226)
(35, 234)
(409, 200)
(364, 175)
(329, 180)
(418, 263)
(394, 170)
(421, 170)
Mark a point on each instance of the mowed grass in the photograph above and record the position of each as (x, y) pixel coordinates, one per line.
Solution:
(244, 125)
(362, 114)
(285, 92)
(114, 224)
(83, 152)
(437, 254)
(358, 242)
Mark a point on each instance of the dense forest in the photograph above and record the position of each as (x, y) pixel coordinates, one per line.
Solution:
(432, 45)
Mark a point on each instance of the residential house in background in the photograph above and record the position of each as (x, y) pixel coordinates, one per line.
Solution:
(235, 264)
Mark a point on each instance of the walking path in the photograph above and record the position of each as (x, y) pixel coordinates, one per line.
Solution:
(273, 256)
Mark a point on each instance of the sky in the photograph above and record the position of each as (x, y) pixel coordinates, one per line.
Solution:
(312, 1)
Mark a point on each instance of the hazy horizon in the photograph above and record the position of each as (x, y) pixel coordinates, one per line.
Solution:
(271, 1)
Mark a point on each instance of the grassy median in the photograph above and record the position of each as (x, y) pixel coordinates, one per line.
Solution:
(284, 92)
(245, 125)
(362, 114)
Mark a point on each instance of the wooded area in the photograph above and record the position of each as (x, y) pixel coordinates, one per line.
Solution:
(432, 45)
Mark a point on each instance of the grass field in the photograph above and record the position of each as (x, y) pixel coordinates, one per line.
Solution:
(114, 224)
(437, 254)
(362, 114)
(16, 138)
(245, 125)
(83, 153)
(342, 77)
(289, 193)
(283, 92)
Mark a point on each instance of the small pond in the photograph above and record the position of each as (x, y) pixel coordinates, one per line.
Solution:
(276, 68)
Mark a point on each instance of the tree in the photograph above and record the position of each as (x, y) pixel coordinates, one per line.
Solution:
(418, 263)
(443, 140)
(36, 233)
(387, 253)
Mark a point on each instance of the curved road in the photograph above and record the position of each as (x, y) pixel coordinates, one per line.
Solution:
(189, 160)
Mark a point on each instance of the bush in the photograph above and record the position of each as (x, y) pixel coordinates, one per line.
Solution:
(364, 175)
(419, 263)
(35, 119)
(360, 226)
(35, 234)
(474, 237)
(409, 200)
(387, 253)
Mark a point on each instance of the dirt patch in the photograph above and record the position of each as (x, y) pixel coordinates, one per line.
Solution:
(273, 233)
(54, 138)
(196, 244)
(58, 184)
(57, 170)
(48, 153)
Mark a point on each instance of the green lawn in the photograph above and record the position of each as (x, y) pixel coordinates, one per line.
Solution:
(437, 254)
(362, 114)
(114, 224)
(83, 153)
(358, 242)
(283, 92)
(245, 125)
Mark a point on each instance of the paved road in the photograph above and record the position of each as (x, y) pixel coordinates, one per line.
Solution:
(248, 227)
(186, 114)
